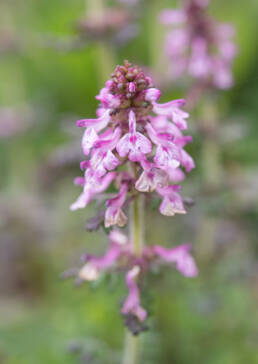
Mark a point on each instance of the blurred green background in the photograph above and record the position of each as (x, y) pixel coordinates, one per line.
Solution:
(50, 72)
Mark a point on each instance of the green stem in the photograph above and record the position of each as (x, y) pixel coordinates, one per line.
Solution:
(131, 352)
(132, 344)
(137, 224)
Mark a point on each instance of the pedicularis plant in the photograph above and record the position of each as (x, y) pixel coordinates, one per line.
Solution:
(136, 144)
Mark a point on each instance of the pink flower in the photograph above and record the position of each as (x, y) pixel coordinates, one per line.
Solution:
(187, 161)
(173, 110)
(102, 158)
(132, 302)
(152, 94)
(151, 179)
(90, 191)
(167, 158)
(176, 46)
(176, 175)
(199, 46)
(88, 140)
(167, 153)
(95, 265)
(162, 125)
(179, 255)
(223, 78)
(108, 100)
(135, 144)
(114, 214)
(172, 16)
(97, 124)
(200, 64)
(172, 202)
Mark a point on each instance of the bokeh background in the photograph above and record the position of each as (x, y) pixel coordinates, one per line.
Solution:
(51, 68)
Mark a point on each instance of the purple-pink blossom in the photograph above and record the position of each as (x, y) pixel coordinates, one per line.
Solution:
(199, 46)
(89, 191)
(172, 202)
(132, 302)
(133, 129)
(114, 214)
(179, 255)
(94, 266)
(120, 256)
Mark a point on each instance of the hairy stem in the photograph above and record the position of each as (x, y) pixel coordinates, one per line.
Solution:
(131, 350)
(137, 225)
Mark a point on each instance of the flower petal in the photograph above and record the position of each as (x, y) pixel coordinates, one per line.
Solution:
(98, 124)
(185, 263)
(114, 214)
(132, 302)
(152, 94)
(187, 161)
(172, 16)
(89, 138)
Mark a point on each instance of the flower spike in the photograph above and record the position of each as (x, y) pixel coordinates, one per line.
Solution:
(135, 147)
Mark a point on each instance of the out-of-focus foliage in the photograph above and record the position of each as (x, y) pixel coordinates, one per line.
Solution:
(47, 82)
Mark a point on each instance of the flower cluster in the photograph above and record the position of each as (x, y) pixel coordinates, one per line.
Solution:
(120, 255)
(136, 144)
(127, 132)
(198, 45)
